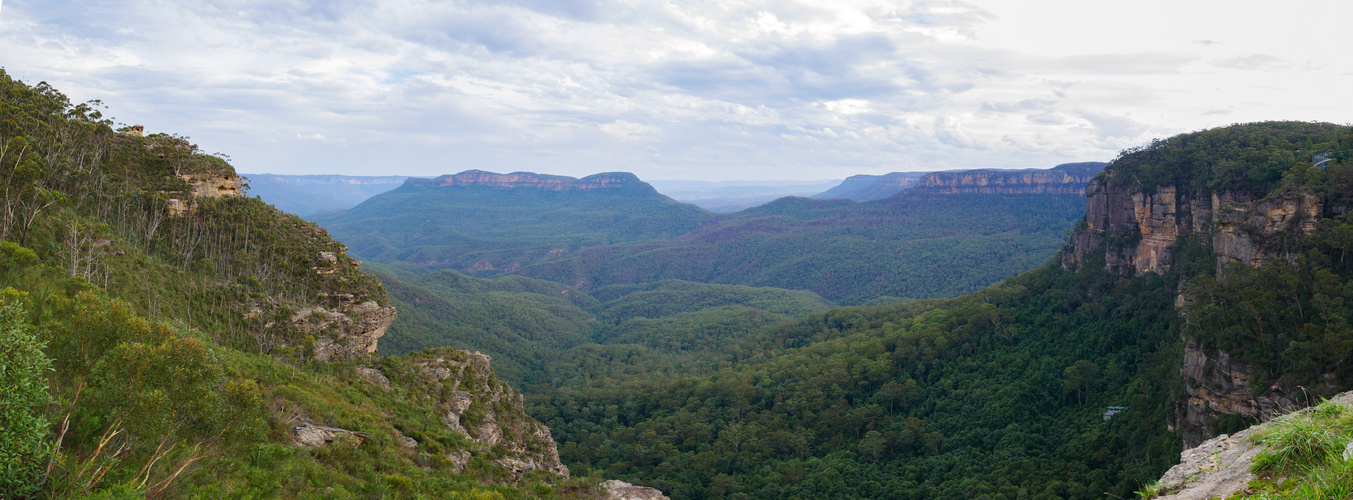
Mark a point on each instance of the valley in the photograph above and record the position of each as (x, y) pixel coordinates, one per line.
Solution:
(1000, 334)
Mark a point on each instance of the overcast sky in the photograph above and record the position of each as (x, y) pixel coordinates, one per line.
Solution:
(718, 90)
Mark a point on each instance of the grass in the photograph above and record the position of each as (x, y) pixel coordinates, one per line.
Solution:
(1303, 456)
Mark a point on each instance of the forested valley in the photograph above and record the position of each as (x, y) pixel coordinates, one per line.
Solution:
(165, 336)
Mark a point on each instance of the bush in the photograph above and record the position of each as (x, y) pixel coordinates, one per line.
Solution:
(23, 394)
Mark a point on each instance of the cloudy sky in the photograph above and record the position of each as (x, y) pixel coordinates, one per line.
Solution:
(683, 89)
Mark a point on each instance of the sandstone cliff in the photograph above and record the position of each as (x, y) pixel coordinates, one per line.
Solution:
(480, 178)
(1069, 178)
(1136, 231)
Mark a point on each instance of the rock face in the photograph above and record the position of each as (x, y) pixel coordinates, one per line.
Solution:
(1067, 178)
(1220, 467)
(1136, 230)
(1215, 384)
(347, 331)
(480, 178)
(489, 412)
(620, 490)
(207, 185)
(1142, 227)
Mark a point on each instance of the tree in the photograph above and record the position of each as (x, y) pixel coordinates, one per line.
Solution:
(23, 394)
(1080, 377)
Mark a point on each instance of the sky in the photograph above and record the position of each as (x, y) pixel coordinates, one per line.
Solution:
(692, 90)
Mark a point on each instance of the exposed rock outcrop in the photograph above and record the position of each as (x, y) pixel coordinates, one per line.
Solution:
(620, 490)
(1220, 467)
(489, 412)
(480, 178)
(349, 330)
(312, 435)
(1068, 178)
(1141, 228)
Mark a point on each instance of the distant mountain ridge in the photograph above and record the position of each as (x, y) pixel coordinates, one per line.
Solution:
(1067, 178)
(517, 180)
(614, 229)
(871, 187)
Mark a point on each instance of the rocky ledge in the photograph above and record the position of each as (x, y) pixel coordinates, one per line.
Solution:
(1220, 467)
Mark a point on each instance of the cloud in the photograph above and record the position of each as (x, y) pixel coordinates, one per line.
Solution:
(685, 89)
(627, 131)
(1258, 62)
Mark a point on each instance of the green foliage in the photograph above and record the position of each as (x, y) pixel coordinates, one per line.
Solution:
(934, 399)
(133, 360)
(24, 450)
(1251, 158)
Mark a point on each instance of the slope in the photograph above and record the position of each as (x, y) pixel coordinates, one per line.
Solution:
(173, 336)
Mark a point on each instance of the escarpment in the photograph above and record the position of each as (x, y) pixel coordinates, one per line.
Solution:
(1069, 178)
(1155, 205)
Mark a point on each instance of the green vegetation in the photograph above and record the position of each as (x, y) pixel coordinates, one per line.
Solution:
(1303, 456)
(530, 325)
(969, 397)
(149, 346)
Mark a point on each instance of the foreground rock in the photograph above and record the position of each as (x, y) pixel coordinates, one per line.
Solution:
(1220, 467)
(620, 490)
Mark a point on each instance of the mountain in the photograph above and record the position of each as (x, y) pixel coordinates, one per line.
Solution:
(478, 221)
(870, 187)
(909, 246)
(305, 195)
(166, 337)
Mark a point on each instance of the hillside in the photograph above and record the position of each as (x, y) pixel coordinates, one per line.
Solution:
(305, 195)
(165, 337)
(907, 246)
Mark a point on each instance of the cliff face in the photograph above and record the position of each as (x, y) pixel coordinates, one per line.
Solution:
(1141, 228)
(514, 180)
(1137, 231)
(1069, 178)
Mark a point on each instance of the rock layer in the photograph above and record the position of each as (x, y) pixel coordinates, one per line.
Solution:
(1063, 179)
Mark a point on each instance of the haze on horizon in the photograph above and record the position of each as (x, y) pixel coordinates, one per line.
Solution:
(749, 90)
